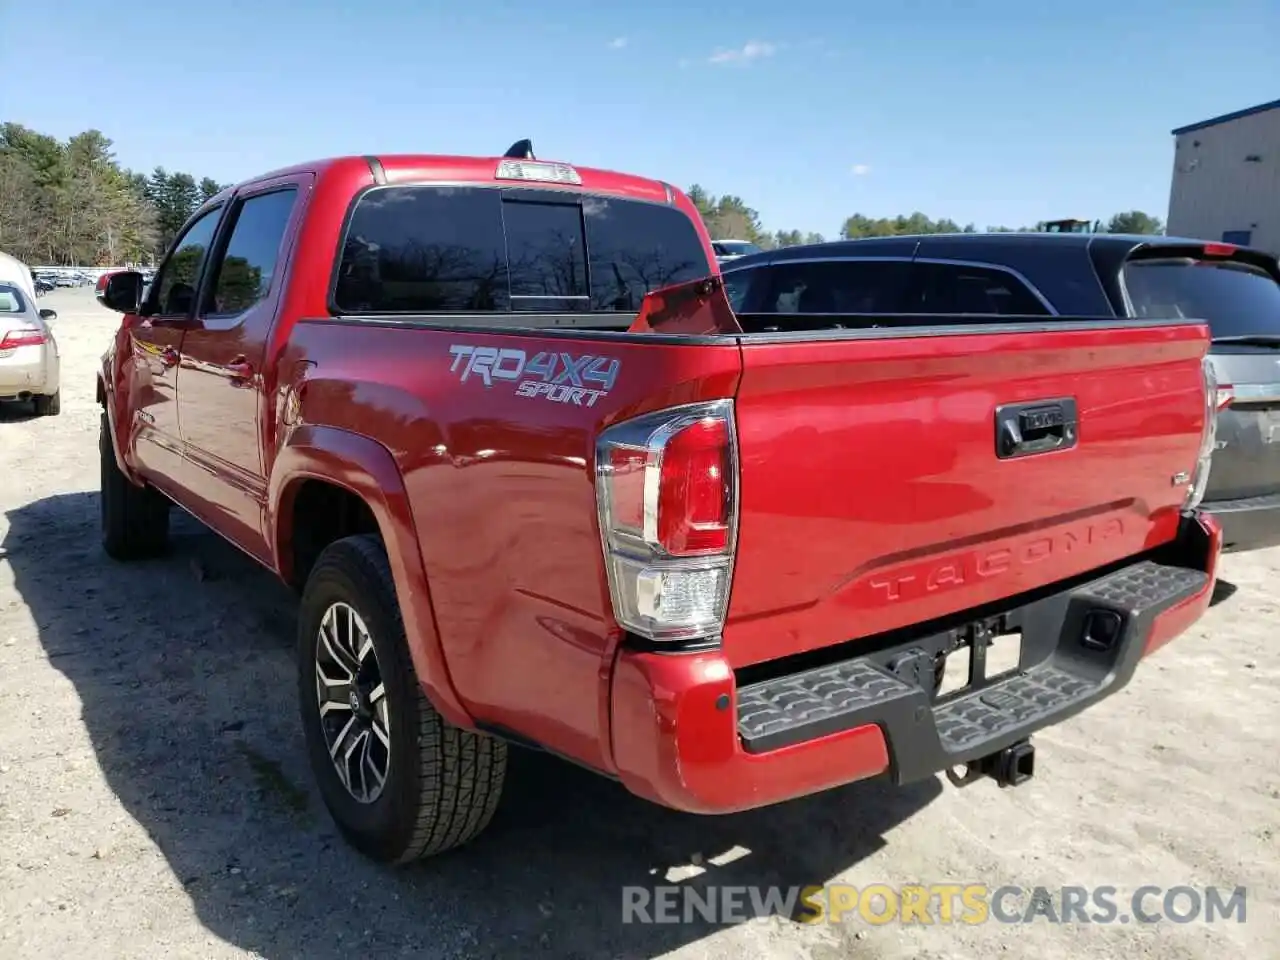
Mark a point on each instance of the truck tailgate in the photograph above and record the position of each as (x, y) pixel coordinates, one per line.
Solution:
(873, 496)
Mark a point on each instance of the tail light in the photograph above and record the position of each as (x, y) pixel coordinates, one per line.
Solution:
(1214, 402)
(1220, 249)
(667, 495)
(22, 337)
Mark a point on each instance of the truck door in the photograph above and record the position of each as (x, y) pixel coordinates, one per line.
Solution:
(156, 343)
(224, 369)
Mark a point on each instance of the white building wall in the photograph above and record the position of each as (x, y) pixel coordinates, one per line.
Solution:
(1219, 186)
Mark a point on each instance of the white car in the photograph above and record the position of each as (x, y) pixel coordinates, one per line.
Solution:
(727, 250)
(29, 364)
(13, 270)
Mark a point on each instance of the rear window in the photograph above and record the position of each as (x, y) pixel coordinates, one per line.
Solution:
(11, 299)
(431, 249)
(546, 256)
(1236, 299)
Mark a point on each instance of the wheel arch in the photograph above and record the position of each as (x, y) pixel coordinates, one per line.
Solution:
(322, 457)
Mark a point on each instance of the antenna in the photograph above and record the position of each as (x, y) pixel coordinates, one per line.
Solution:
(520, 150)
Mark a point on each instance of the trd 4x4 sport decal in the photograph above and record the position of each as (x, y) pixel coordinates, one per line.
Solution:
(560, 377)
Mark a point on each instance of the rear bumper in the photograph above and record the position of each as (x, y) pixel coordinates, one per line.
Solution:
(28, 370)
(687, 735)
(1249, 524)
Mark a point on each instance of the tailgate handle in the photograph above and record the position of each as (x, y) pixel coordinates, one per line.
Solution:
(1043, 426)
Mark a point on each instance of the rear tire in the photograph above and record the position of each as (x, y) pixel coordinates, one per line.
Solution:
(49, 405)
(419, 785)
(135, 520)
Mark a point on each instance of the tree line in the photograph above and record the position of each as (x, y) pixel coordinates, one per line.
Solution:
(71, 203)
(729, 218)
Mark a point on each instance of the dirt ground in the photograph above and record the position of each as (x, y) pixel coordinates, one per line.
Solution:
(154, 798)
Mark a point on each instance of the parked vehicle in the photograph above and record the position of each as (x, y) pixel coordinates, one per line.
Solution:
(723, 557)
(726, 250)
(29, 363)
(14, 271)
(1235, 289)
(1070, 225)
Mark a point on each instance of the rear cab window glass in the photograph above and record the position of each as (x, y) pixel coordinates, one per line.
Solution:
(836, 286)
(427, 249)
(422, 250)
(1235, 298)
(636, 247)
(546, 256)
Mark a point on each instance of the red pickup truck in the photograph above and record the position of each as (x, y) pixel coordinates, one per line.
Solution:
(538, 483)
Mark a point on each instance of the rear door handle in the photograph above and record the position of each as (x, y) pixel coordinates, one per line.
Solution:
(1042, 426)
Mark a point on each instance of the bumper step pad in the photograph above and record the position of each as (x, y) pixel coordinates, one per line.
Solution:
(816, 700)
(924, 737)
(1008, 705)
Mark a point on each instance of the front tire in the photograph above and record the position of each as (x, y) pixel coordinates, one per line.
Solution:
(400, 782)
(135, 520)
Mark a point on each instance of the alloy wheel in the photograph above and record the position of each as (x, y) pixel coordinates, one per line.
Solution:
(352, 702)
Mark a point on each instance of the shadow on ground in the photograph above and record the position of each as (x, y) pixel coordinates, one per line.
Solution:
(185, 671)
(1222, 590)
(16, 411)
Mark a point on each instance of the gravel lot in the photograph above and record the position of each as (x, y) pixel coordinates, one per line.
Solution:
(154, 798)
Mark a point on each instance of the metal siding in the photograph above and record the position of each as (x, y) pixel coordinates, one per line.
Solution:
(1215, 190)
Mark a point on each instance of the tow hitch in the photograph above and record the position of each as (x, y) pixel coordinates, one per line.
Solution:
(1010, 767)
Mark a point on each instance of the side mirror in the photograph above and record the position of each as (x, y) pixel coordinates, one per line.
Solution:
(47, 314)
(122, 292)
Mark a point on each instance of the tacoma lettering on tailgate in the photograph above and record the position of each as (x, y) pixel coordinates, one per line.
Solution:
(580, 379)
(927, 577)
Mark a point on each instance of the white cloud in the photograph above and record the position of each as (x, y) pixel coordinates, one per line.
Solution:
(860, 169)
(617, 43)
(751, 50)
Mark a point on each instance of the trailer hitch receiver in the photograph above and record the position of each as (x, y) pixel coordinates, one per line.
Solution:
(1010, 767)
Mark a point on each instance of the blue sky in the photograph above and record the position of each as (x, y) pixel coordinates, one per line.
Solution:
(988, 111)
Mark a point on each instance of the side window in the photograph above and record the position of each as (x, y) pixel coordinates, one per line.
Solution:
(954, 289)
(636, 247)
(422, 249)
(737, 283)
(174, 291)
(546, 255)
(243, 276)
(836, 286)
